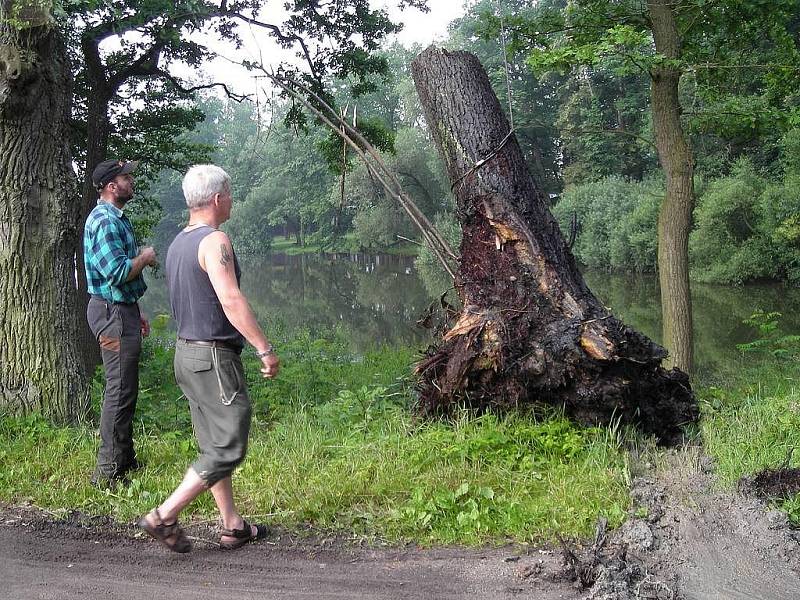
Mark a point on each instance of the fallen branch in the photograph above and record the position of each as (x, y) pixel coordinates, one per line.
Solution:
(379, 170)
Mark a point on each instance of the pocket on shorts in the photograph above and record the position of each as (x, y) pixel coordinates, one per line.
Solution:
(230, 377)
(197, 365)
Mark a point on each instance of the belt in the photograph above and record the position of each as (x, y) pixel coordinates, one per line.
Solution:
(101, 299)
(212, 344)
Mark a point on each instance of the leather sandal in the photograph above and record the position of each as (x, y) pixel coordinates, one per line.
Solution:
(171, 535)
(243, 535)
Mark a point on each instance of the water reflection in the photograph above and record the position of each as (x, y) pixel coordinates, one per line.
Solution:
(377, 299)
(718, 312)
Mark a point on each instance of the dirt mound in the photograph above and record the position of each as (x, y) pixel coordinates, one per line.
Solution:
(686, 540)
(771, 484)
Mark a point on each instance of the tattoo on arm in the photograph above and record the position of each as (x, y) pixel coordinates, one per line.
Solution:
(224, 255)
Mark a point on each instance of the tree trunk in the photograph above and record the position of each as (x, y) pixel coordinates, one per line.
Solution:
(675, 216)
(40, 208)
(530, 331)
(98, 129)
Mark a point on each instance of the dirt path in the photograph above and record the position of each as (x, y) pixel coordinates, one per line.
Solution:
(66, 560)
(684, 540)
(729, 553)
(687, 540)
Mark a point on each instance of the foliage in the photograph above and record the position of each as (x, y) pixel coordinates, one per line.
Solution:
(378, 218)
(604, 128)
(131, 102)
(378, 226)
(372, 129)
(333, 445)
(603, 51)
(745, 226)
(752, 420)
(771, 342)
(744, 229)
(17, 16)
(616, 222)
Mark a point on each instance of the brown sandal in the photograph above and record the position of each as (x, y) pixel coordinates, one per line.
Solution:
(171, 535)
(243, 535)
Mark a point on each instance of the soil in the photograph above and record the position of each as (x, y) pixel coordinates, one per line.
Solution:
(79, 558)
(684, 539)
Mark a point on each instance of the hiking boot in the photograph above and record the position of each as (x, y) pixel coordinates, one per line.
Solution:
(104, 481)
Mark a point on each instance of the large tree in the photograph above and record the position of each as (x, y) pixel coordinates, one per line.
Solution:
(150, 38)
(530, 330)
(39, 214)
(41, 253)
(666, 40)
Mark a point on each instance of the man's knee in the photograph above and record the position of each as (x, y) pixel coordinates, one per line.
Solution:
(233, 457)
(212, 468)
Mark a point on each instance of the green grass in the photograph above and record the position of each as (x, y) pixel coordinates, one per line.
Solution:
(752, 421)
(334, 445)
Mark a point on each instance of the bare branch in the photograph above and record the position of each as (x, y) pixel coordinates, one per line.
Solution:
(291, 38)
(580, 130)
(437, 244)
(145, 65)
(188, 90)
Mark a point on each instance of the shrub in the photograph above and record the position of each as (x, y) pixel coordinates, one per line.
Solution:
(746, 229)
(617, 222)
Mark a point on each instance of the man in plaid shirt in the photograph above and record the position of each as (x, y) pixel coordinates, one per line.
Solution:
(114, 276)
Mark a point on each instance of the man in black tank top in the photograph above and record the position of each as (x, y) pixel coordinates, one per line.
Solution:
(214, 321)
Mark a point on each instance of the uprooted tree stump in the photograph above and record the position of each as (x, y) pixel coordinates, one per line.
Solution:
(530, 330)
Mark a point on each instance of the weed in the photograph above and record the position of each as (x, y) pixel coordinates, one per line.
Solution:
(334, 444)
(752, 421)
(771, 341)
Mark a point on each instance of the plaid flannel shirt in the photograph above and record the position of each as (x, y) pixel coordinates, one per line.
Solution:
(109, 246)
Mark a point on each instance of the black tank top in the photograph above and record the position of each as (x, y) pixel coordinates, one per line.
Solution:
(194, 303)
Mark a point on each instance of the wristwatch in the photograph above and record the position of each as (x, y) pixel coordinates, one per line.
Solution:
(269, 350)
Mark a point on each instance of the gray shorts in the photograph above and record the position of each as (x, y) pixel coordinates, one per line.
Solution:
(213, 381)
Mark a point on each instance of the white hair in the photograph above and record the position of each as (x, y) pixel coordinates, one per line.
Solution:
(201, 182)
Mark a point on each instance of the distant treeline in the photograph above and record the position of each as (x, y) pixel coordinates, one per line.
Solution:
(586, 134)
(746, 225)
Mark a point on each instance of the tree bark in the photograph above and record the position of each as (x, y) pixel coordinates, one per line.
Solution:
(98, 130)
(40, 208)
(675, 216)
(530, 330)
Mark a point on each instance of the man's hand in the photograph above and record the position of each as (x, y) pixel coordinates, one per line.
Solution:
(271, 364)
(148, 255)
(145, 326)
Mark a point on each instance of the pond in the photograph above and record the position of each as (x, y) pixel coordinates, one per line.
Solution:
(377, 299)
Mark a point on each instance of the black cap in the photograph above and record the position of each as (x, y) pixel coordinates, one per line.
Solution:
(108, 169)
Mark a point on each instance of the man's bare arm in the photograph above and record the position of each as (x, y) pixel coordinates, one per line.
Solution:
(216, 258)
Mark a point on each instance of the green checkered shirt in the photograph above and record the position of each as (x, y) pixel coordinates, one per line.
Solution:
(109, 247)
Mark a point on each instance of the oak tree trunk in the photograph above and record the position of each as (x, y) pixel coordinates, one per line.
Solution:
(675, 216)
(40, 207)
(530, 330)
